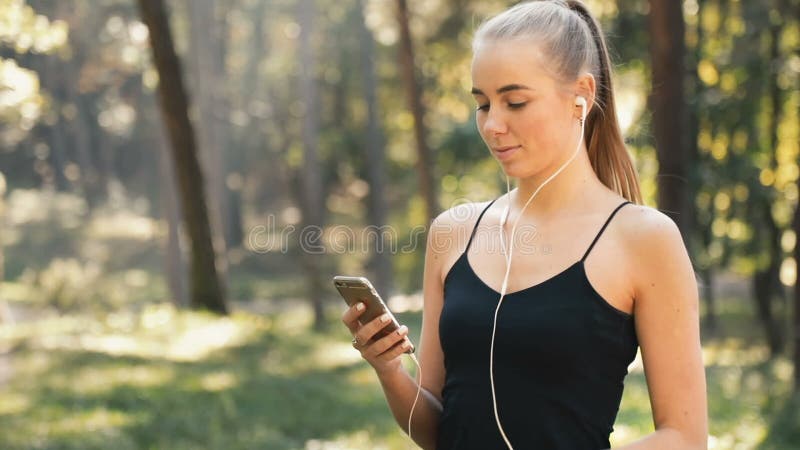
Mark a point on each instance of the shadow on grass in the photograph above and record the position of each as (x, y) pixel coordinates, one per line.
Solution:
(268, 393)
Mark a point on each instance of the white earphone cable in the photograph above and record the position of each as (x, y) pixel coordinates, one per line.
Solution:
(419, 389)
(508, 257)
(504, 218)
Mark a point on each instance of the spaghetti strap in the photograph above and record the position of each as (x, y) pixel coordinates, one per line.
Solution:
(476, 225)
(603, 229)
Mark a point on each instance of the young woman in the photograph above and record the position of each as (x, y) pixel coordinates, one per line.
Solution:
(527, 336)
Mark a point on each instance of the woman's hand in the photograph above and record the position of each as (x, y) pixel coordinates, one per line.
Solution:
(383, 354)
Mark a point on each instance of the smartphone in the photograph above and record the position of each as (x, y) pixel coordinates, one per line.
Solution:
(359, 289)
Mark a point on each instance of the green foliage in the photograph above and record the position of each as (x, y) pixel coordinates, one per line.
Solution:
(104, 110)
(62, 257)
(79, 122)
(64, 284)
(746, 176)
(24, 30)
(21, 101)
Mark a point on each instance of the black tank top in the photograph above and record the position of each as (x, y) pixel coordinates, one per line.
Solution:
(560, 357)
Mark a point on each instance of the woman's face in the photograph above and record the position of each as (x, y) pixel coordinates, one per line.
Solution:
(524, 116)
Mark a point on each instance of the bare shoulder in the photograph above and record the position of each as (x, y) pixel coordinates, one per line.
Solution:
(653, 244)
(461, 213)
(453, 222)
(643, 227)
(449, 233)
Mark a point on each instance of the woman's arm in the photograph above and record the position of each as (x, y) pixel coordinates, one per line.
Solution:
(398, 386)
(667, 325)
(400, 389)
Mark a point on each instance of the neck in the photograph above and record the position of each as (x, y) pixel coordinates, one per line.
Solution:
(564, 189)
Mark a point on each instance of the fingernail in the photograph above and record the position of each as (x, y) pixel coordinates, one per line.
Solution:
(402, 330)
(360, 306)
(406, 344)
(385, 318)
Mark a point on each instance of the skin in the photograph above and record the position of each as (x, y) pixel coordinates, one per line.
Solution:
(639, 265)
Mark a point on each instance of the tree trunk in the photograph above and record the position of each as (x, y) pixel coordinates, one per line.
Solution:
(173, 256)
(81, 138)
(767, 281)
(796, 324)
(208, 76)
(79, 127)
(175, 270)
(796, 327)
(710, 319)
(695, 239)
(667, 48)
(311, 175)
(206, 290)
(234, 229)
(414, 98)
(796, 253)
(230, 193)
(252, 140)
(51, 80)
(100, 149)
(375, 154)
(763, 294)
(5, 315)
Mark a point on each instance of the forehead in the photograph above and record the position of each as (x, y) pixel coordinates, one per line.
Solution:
(499, 63)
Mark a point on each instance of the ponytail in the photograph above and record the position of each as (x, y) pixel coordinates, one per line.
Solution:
(604, 142)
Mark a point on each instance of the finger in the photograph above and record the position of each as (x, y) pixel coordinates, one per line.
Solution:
(385, 343)
(395, 351)
(351, 315)
(365, 332)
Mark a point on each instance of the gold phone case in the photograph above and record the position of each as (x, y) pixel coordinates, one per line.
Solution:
(359, 289)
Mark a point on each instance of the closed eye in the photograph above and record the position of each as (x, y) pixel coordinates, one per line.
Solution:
(510, 105)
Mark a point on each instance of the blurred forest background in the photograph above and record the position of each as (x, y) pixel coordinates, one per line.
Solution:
(165, 260)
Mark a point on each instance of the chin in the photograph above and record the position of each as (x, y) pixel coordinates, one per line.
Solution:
(513, 170)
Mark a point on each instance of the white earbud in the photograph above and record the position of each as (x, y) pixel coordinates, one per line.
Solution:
(580, 101)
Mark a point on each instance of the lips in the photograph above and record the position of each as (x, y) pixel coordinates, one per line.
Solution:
(503, 153)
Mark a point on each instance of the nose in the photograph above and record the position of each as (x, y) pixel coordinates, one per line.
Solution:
(494, 123)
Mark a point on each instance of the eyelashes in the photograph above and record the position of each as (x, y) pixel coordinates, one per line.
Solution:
(512, 106)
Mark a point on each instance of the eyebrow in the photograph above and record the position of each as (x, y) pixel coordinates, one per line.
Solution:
(506, 88)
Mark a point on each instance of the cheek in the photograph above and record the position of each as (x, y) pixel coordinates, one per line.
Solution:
(542, 124)
(539, 116)
(480, 121)
(535, 126)
(542, 133)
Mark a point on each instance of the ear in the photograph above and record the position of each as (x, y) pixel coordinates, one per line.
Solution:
(585, 87)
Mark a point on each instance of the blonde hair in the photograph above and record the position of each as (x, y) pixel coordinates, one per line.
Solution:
(572, 42)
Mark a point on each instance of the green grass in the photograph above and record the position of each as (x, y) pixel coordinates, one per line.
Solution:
(165, 379)
(181, 380)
